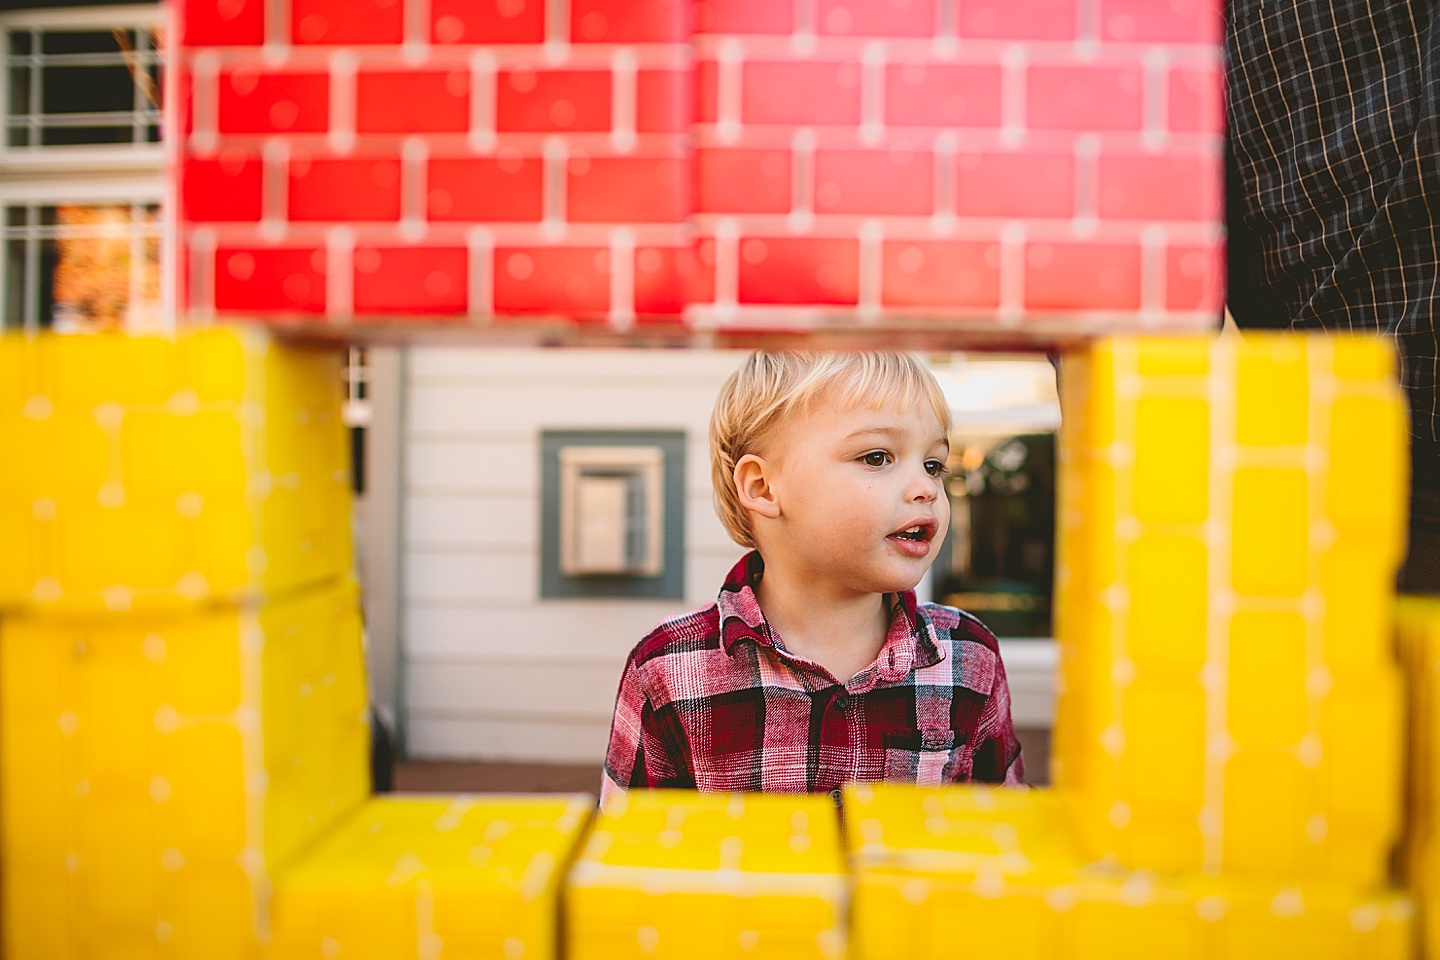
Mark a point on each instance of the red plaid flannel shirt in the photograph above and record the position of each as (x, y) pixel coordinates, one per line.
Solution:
(712, 700)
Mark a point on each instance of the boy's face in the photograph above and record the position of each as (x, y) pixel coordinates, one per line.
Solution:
(860, 496)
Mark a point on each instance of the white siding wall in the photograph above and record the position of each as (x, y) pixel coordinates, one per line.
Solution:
(490, 671)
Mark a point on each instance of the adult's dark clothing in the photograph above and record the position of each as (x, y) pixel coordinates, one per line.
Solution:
(1333, 195)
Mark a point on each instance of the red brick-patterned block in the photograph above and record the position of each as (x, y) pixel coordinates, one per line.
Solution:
(1080, 275)
(662, 101)
(412, 101)
(744, 16)
(1015, 183)
(411, 280)
(222, 23)
(487, 21)
(1172, 185)
(800, 93)
(936, 273)
(1162, 21)
(1196, 101)
(799, 270)
(628, 21)
(743, 180)
(627, 189)
(894, 181)
(552, 280)
(223, 188)
(253, 102)
(552, 101)
(942, 95)
(1018, 19)
(347, 21)
(1084, 97)
(1195, 278)
(347, 189)
(503, 189)
(877, 18)
(667, 279)
(707, 91)
(270, 279)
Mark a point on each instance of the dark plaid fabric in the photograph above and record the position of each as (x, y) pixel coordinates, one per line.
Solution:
(1334, 193)
(713, 701)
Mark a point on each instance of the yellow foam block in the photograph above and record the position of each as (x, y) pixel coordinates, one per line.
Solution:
(421, 877)
(148, 784)
(960, 872)
(1418, 632)
(152, 472)
(1230, 519)
(687, 875)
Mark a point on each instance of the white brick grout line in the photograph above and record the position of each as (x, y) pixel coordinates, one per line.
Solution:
(622, 278)
(205, 124)
(274, 189)
(481, 135)
(802, 181)
(556, 49)
(872, 94)
(340, 273)
(872, 270)
(416, 45)
(623, 106)
(202, 272)
(1156, 69)
(480, 247)
(946, 186)
(555, 154)
(414, 162)
(729, 90)
(277, 30)
(340, 136)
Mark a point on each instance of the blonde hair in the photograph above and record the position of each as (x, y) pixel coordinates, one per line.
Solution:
(769, 388)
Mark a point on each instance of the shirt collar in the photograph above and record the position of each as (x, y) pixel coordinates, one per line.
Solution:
(908, 645)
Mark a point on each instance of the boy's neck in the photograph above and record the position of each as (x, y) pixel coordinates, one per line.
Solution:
(842, 633)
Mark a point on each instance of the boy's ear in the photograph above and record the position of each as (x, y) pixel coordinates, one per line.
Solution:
(753, 486)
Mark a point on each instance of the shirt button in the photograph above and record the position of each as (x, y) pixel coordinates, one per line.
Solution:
(842, 702)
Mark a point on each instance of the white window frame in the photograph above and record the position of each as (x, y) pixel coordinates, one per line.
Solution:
(116, 158)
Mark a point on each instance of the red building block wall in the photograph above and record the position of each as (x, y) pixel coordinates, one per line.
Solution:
(1027, 168)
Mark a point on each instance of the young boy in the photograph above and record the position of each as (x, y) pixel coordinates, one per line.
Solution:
(816, 665)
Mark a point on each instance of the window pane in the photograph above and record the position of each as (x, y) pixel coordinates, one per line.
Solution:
(15, 283)
(20, 43)
(86, 89)
(19, 90)
(52, 136)
(15, 216)
(86, 42)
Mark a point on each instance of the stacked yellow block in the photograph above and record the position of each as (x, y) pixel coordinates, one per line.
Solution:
(1418, 628)
(672, 874)
(959, 873)
(181, 678)
(459, 878)
(154, 473)
(1231, 519)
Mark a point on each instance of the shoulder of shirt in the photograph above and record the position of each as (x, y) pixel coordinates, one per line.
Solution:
(686, 633)
(959, 625)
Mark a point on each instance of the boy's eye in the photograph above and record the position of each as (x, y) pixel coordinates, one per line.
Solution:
(876, 458)
(935, 468)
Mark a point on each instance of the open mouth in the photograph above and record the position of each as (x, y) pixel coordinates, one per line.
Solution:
(919, 533)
